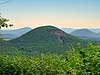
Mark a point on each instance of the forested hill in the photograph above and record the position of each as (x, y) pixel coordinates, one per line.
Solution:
(45, 39)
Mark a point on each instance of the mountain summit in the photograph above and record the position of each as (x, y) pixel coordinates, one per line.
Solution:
(86, 34)
(45, 39)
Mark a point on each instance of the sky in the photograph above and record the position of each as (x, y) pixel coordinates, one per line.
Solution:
(59, 13)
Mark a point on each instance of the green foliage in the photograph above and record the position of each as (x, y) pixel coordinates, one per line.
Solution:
(85, 60)
(1, 40)
(43, 39)
(3, 22)
(80, 61)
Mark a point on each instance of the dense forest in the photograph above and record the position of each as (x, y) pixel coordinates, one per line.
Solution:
(44, 39)
(36, 53)
(80, 61)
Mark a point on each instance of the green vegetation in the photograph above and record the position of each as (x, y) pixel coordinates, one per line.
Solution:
(45, 39)
(80, 61)
(29, 54)
(42, 40)
(3, 22)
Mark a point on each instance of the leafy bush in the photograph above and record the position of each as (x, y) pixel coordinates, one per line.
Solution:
(80, 61)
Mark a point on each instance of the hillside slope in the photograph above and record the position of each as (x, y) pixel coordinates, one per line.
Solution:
(11, 34)
(86, 34)
(45, 39)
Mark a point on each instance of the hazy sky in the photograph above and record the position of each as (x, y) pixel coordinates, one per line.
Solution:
(60, 13)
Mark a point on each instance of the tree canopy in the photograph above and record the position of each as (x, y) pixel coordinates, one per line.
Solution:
(3, 22)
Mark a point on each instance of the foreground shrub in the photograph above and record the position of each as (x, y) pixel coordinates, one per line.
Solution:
(80, 61)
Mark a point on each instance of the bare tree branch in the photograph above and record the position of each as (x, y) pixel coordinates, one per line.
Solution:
(4, 2)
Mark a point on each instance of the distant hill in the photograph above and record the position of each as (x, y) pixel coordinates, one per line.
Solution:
(11, 34)
(86, 34)
(96, 30)
(45, 39)
(68, 30)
